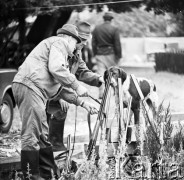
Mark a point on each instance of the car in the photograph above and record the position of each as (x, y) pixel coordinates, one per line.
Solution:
(7, 101)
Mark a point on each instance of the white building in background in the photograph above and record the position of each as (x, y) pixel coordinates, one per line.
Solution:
(141, 49)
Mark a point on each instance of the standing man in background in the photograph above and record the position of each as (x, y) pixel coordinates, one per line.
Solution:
(106, 46)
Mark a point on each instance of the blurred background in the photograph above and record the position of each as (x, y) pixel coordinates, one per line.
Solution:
(147, 27)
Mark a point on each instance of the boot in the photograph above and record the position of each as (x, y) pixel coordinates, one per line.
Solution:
(56, 131)
(47, 165)
(30, 165)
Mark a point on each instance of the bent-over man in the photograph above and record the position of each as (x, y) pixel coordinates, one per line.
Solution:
(41, 77)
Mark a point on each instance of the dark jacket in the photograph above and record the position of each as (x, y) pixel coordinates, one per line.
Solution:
(106, 40)
(79, 68)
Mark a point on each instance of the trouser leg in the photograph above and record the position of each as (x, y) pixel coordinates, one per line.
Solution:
(30, 165)
(47, 164)
(56, 134)
(34, 135)
(56, 126)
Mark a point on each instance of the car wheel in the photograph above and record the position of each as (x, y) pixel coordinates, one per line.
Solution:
(6, 113)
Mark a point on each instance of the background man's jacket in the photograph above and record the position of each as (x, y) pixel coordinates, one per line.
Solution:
(106, 40)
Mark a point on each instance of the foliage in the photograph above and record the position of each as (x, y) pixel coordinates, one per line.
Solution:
(169, 150)
(160, 155)
(137, 23)
(174, 7)
(177, 21)
(11, 8)
(161, 6)
(178, 138)
(16, 11)
(116, 7)
(163, 128)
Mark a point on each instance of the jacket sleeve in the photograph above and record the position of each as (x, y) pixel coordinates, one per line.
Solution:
(58, 65)
(87, 76)
(94, 43)
(117, 44)
(69, 95)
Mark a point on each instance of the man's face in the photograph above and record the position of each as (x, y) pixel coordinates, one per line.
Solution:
(81, 45)
(72, 44)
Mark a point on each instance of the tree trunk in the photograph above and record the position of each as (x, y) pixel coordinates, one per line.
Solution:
(21, 14)
(46, 25)
(22, 29)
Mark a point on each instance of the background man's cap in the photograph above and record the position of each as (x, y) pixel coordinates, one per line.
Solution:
(84, 29)
(71, 30)
(108, 15)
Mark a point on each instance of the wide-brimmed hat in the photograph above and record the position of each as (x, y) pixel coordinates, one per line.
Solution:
(71, 30)
(108, 15)
(84, 29)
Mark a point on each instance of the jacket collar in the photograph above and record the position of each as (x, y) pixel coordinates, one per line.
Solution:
(66, 44)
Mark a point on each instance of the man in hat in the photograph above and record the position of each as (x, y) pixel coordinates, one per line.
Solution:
(59, 108)
(41, 77)
(106, 46)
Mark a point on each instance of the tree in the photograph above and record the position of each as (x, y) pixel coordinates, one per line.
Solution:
(174, 7)
(177, 20)
(12, 20)
(163, 6)
(51, 14)
(18, 10)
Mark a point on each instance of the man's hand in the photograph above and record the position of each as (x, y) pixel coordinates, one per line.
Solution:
(82, 91)
(64, 105)
(89, 107)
